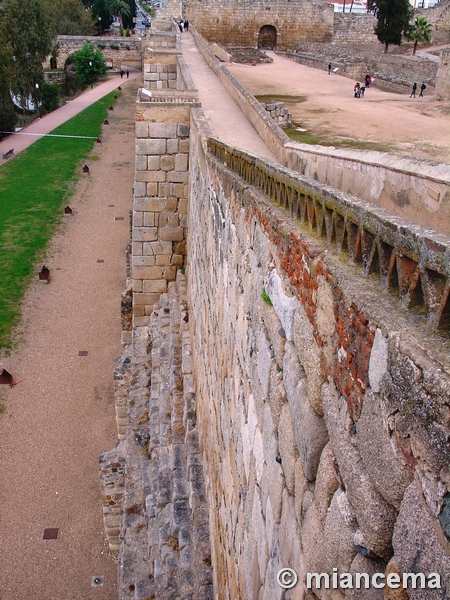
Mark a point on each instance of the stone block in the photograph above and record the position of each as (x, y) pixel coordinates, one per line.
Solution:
(138, 219)
(167, 162)
(162, 130)
(182, 205)
(169, 273)
(287, 446)
(150, 176)
(150, 146)
(153, 163)
(163, 260)
(378, 361)
(382, 459)
(147, 272)
(164, 189)
(141, 162)
(172, 146)
(174, 234)
(339, 550)
(143, 261)
(149, 219)
(141, 129)
(178, 177)
(417, 547)
(158, 286)
(375, 516)
(264, 358)
(148, 204)
(363, 564)
(140, 322)
(182, 130)
(284, 305)
(310, 431)
(310, 356)
(181, 162)
(145, 234)
(183, 146)
(171, 204)
(152, 188)
(326, 482)
(139, 189)
(137, 248)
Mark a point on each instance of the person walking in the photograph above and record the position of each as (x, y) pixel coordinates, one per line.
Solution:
(422, 89)
(121, 74)
(414, 90)
(357, 90)
(186, 25)
(128, 73)
(329, 68)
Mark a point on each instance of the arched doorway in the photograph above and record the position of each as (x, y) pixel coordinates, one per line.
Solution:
(267, 37)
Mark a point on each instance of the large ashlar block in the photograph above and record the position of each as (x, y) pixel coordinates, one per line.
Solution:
(141, 162)
(162, 130)
(155, 286)
(172, 234)
(147, 272)
(375, 516)
(153, 162)
(181, 162)
(150, 146)
(177, 177)
(145, 234)
(150, 176)
(167, 162)
(141, 130)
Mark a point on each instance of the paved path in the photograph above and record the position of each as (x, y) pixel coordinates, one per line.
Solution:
(48, 122)
(224, 116)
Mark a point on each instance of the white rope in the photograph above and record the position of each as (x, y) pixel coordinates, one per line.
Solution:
(83, 137)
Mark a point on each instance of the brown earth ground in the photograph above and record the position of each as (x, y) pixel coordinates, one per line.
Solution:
(325, 106)
(60, 415)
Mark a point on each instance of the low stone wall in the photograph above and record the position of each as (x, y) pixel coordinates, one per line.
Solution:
(322, 406)
(278, 113)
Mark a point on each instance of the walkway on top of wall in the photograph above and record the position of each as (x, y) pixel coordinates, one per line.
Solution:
(224, 116)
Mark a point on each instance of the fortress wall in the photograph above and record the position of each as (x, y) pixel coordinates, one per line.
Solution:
(323, 422)
(354, 28)
(233, 23)
(413, 189)
(129, 51)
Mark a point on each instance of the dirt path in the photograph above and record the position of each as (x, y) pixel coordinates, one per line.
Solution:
(61, 415)
(418, 127)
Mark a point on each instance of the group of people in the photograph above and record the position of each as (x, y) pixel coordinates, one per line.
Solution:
(414, 90)
(359, 90)
(183, 25)
(122, 73)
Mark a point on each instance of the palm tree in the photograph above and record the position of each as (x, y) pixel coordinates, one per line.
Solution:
(420, 31)
(119, 8)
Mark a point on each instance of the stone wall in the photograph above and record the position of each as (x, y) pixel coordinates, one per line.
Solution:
(238, 23)
(443, 77)
(354, 28)
(413, 189)
(129, 51)
(160, 202)
(323, 416)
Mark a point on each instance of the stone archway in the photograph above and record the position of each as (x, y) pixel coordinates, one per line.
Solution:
(267, 37)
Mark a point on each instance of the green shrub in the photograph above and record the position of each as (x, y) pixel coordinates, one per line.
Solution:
(50, 97)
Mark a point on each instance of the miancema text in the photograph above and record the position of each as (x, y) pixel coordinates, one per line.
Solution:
(377, 580)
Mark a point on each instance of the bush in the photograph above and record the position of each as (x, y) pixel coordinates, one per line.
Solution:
(127, 33)
(50, 97)
(114, 46)
(89, 63)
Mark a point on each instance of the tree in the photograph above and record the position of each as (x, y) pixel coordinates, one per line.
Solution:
(28, 33)
(72, 18)
(89, 64)
(101, 15)
(8, 117)
(419, 31)
(127, 19)
(392, 20)
(50, 97)
(119, 8)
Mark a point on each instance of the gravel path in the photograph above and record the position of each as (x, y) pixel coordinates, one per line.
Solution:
(61, 415)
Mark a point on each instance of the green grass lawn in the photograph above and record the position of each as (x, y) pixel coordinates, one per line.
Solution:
(34, 187)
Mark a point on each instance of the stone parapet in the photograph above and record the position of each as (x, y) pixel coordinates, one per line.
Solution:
(322, 402)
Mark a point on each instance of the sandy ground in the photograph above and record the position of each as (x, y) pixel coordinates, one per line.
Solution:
(418, 127)
(60, 417)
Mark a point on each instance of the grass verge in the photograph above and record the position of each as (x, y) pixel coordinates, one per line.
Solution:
(34, 186)
(306, 137)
